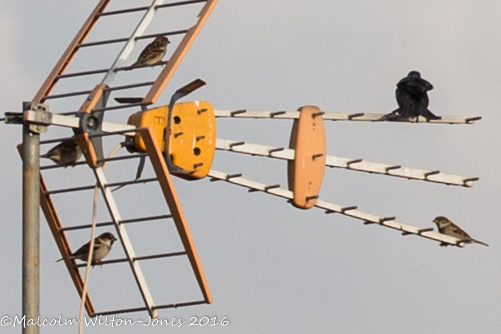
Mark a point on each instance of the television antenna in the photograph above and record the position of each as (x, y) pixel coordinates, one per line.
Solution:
(178, 139)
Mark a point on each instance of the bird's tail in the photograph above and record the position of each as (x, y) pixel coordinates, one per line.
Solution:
(133, 66)
(138, 64)
(61, 259)
(480, 242)
(428, 114)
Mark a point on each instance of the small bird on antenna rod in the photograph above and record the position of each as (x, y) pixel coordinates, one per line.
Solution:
(102, 246)
(152, 54)
(412, 99)
(445, 226)
(64, 154)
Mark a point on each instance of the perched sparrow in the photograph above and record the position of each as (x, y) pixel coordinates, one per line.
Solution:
(65, 154)
(412, 98)
(153, 53)
(102, 246)
(445, 226)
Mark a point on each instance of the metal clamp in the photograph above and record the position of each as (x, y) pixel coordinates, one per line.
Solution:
(36, 114)
(181, 92)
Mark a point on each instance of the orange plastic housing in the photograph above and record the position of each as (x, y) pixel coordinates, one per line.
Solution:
(306, 171)
(193, 136)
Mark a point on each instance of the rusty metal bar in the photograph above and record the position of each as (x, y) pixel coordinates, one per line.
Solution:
(142, 84)
(125, 157)
(71, 113)
(77, 74)
(57, 140)
(119, 132)
(105, 70)
(132, 105)
(86, 92)
(70, 52)
(139, 9)
(169, 33)
(176, 211)
(110, 223)
(180, 304)
(108, 41)
(62, 243)
(138, 309)
(114, 312)
(178, 55)
(180, 3)
(117, 184)
(124, 11)
(68, 190)
(58, 96)
(125, 39)
(137, 258)
(83, 188)
(57, 166)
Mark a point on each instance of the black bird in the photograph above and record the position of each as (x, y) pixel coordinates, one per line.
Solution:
(412, 98)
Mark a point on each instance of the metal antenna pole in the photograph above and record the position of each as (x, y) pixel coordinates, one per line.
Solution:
(31, 229)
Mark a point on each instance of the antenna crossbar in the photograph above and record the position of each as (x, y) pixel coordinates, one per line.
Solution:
(333, 116)
(350, 164)
(389, 222)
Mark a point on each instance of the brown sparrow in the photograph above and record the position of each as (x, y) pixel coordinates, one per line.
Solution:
(65, 154)
(445, 226)
(153, 53)
(102, 246)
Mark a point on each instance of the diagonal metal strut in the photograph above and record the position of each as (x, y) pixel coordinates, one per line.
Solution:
(127, 245)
